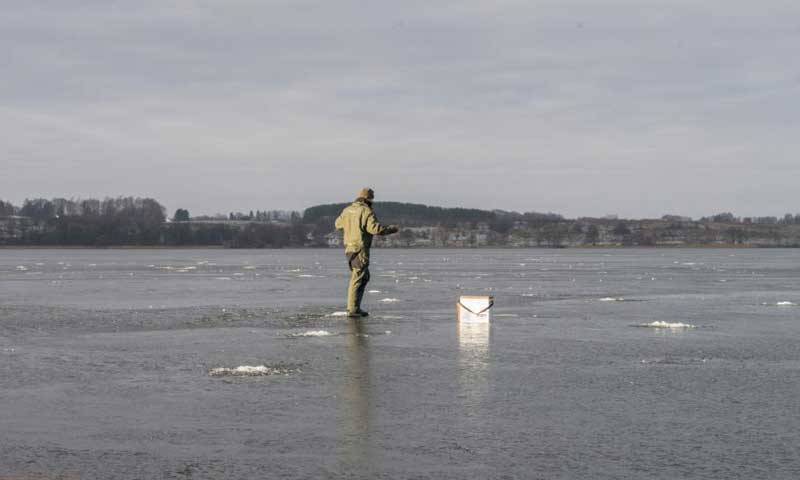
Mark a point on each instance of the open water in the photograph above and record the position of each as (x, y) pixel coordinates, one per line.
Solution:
(599, 364)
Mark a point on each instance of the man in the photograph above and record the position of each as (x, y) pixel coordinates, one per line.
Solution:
(359, 224)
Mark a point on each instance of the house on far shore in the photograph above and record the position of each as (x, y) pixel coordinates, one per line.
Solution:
(333, 239)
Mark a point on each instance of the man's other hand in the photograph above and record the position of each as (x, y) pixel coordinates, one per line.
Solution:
(391, 229)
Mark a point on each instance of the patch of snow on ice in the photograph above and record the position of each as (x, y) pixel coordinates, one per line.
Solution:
(780, 304)
(662, 324)
(312, 333)
(250, 371)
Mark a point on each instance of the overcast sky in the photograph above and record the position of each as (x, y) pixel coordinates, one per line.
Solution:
(584, 107)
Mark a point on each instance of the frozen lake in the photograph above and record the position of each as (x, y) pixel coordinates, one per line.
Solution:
(600, 364)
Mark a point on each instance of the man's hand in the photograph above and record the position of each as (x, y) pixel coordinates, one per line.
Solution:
(391, 229)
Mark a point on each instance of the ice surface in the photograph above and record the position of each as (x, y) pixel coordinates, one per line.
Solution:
(464, 396)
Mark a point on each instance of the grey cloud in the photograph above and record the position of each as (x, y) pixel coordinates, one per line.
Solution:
(581, 107)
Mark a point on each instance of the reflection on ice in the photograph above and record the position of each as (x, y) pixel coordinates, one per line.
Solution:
(473, 365)
(473, 337)
(358, 400)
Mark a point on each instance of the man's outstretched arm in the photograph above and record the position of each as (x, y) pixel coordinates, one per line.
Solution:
(375, 228)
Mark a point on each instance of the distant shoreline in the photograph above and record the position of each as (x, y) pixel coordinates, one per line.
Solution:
(111, 247)
(497, 247)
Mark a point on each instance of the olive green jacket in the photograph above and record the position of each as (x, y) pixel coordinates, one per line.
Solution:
(359, 224)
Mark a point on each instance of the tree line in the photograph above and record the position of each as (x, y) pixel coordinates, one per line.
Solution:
(134, 221)
(111, 221)
(417, 215)
(143, 221)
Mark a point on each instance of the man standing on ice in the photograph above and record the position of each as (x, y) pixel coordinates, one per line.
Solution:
(359, 224)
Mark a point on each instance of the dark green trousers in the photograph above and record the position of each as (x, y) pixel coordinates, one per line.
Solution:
(359, 277)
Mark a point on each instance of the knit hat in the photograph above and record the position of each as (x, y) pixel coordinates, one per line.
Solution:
(366, 193)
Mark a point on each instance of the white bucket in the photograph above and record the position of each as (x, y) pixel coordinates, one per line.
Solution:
(475, 309)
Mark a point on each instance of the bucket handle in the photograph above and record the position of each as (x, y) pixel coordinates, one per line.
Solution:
(491, 304)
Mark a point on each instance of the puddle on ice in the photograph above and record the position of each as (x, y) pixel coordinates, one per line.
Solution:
(390, 300)
(374, 291)
(612, 299)
(780, 304)
(337, 314)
